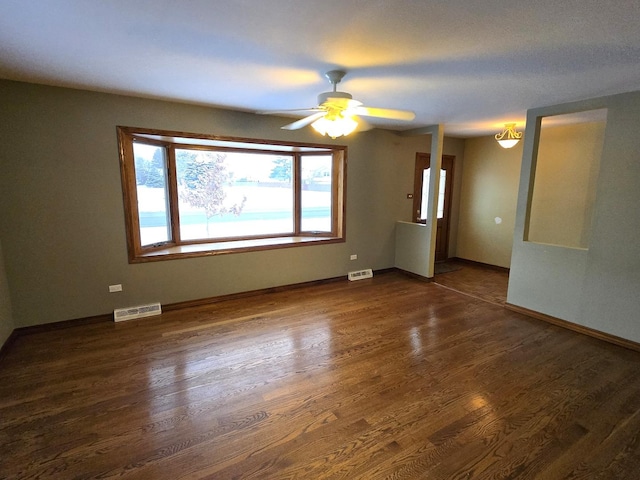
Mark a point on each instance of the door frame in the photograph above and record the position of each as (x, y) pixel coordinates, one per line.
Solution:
(417, 194)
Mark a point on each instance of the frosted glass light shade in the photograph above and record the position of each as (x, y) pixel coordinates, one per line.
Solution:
(509, 137)
(335, 127)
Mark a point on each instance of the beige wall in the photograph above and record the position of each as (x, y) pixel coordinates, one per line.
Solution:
(595, 287)
(566, 174)
(6, 319)
(62, 220)
(489, 189)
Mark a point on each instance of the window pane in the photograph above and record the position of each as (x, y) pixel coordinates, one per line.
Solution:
(315, 197)
(231, 194)
(426, 174)
(426, 178)
(443, 182)
(151, 187)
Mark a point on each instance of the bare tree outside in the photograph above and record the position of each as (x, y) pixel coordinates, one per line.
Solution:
(204, 179)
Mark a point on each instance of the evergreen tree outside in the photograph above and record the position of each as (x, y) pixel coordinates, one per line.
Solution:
(282, 170)
(148, 174)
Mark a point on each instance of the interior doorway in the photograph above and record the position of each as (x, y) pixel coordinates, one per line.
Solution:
(421, 196)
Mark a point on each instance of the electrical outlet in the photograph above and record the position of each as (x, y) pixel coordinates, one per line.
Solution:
(353, 257)
(115, 288)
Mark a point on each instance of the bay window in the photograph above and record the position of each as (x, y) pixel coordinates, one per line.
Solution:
(192, 194)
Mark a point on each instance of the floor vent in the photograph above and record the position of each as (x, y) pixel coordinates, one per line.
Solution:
(120, 314)
(360, 274)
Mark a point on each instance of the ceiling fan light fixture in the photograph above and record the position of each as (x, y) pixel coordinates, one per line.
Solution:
(337, 125)
(509, 137)
(338, 114)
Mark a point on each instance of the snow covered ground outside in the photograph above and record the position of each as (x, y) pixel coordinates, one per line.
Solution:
(264, 213)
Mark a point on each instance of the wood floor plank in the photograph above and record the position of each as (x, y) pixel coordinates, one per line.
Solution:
(384, 378)
(462, 276)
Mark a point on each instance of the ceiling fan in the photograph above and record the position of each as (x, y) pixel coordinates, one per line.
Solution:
(337, 112)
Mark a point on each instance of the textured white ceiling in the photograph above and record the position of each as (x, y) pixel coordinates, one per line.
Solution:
(471, 65)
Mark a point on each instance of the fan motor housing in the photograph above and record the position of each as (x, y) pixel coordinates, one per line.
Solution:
(323, 97)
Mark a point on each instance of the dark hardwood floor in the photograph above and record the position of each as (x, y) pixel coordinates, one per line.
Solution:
(477, 280)
(385, 378)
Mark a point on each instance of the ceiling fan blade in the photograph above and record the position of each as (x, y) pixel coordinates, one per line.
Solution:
(303, 122)
(340, 103)
(385, 113)
(295, 110)
(363, 125)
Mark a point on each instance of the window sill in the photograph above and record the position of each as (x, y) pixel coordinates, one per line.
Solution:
(236, 246)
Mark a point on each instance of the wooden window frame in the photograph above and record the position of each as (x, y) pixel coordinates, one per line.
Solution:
(178, 248)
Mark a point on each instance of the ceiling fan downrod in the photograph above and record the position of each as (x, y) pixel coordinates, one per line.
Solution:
(334, 76)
